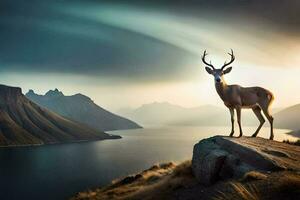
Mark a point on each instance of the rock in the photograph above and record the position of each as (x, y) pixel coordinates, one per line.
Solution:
(220, 157)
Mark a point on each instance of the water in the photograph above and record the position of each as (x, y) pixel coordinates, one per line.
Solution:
(57, 172)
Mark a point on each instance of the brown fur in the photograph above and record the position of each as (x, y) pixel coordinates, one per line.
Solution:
(236, 97)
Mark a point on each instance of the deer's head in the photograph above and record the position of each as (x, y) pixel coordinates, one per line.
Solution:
(218, 73)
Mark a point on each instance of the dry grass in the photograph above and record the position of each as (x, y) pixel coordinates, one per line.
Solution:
(160, 179)
(241, 192)
(254, 175)
(170, 181)
(180, 177)
(278, 186)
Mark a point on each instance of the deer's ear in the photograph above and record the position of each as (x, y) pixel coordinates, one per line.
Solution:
(209, 70)
(226, 71)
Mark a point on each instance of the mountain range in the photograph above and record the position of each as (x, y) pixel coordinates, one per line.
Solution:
(165, 113)
(23, 122)
(81, 108)
(207, 115)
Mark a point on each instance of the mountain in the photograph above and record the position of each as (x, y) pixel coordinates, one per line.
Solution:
(155, 113)
(164, 113)
(81, 108)
(168, 114)
(22, 122)
(288, 118)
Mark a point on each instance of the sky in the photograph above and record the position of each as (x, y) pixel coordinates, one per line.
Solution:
(128, 53)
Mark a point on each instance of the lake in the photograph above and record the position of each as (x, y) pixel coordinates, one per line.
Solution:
(59, 171)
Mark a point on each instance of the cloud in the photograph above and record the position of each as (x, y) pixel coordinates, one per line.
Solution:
(149, 51)
(141, 42)
(254, 40)
(58, 42)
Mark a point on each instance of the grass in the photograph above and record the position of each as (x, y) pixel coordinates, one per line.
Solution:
(240, 192)
(168, 181)
(180, 177)
(277, 186)
(159, 180)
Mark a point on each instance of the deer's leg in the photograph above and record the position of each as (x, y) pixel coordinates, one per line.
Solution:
(232, 121)
(238, 113)
(270, 119)
(257, 112)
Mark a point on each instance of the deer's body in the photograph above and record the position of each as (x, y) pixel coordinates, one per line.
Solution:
(245, 97)
(236, 97)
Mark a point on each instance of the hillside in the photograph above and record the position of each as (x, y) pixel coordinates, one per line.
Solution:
(289, 118)
(22, 122)
(81, 108)
(222, 168)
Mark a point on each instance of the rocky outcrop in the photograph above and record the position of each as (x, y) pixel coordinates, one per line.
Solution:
(223, 157)
(23, 122)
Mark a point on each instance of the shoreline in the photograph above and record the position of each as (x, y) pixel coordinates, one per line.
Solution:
(114, 137)
(272, 165)
(288, 132)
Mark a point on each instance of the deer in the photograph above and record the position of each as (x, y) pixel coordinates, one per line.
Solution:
(236, 97)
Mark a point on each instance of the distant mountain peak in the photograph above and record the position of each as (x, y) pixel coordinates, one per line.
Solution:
(156, 104)
(54, 93)
(30, 91)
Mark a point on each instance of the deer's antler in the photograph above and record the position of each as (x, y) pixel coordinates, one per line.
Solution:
(231, 61)
(203, 60)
